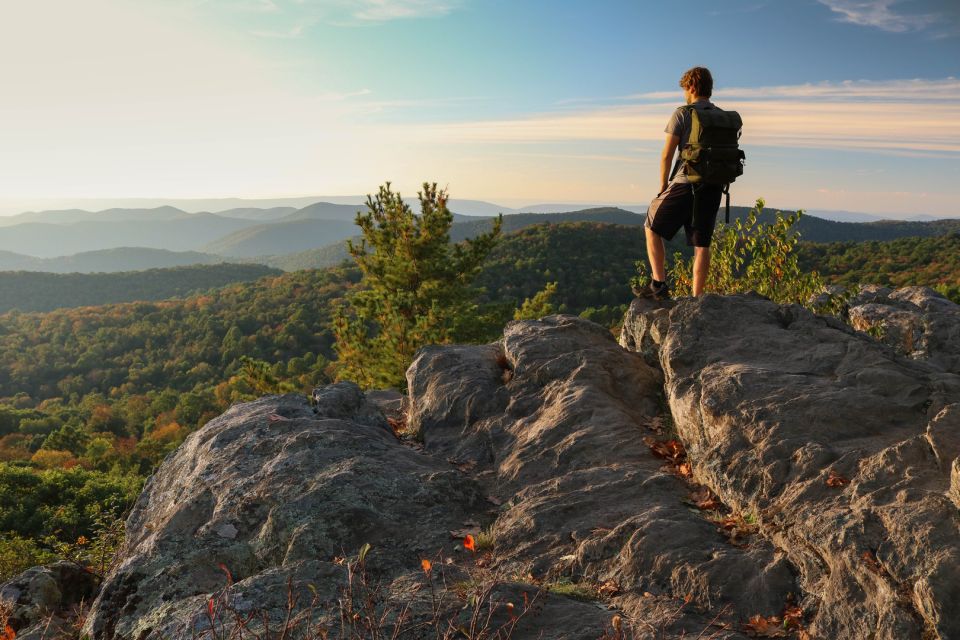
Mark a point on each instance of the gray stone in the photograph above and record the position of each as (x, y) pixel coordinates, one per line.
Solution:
(300, 488)
(41, 592)
(916, 321)
(560, 443)
(771, 401)
(644, 327)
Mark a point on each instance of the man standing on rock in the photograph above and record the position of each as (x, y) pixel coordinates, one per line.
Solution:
(679, 203)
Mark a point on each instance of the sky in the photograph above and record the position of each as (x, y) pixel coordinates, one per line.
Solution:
(847, 104)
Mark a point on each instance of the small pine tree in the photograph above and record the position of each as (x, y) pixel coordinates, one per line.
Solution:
(540, 305)
(416, 287)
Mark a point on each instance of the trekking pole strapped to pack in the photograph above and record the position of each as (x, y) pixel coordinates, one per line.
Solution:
(712, 154)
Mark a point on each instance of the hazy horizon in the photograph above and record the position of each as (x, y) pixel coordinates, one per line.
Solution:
(220, 205)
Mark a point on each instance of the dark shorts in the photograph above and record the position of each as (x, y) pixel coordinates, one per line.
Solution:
(674, 208)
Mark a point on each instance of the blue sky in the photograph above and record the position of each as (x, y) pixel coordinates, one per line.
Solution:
(847, 104)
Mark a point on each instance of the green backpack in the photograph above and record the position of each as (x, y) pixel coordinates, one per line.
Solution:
(712, 154)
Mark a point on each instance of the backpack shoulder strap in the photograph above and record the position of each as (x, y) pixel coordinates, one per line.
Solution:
(676, 165)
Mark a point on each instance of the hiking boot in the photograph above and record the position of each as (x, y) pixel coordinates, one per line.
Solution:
(654, 292)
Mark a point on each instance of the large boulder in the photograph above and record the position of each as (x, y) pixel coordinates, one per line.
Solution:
(274, 492)
(916, 321)
(553, 420)
(35, 599)
(845, 452)
(269, 505)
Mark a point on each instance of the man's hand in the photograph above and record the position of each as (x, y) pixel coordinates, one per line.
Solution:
(666, 159)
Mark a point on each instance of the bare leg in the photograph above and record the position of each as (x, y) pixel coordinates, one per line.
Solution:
(701, 267)
(655, 253)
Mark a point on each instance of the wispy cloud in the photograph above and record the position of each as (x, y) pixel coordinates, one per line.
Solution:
(383, 10)
(333, 11)
(880, 14)
(898, 90)
(843, 116)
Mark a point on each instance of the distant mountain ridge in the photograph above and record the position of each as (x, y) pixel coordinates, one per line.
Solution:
(107, 260)
(32, 291)
(267, 235)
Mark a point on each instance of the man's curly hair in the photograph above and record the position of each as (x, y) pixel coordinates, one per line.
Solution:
(698, 80)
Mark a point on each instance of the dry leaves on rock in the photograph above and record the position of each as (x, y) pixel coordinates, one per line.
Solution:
(705, 499)
(837, 480)
(870, 560)
(398, 425)
(736, 527)
(608, 588)
(789, 624)
(670, 450)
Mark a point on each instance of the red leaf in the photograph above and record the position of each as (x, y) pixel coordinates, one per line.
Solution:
(837, 480)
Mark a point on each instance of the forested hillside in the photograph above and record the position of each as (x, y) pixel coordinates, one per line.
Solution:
(107, 260)
(36, 291)
(92, 398)
(591, 263)
(931, 261)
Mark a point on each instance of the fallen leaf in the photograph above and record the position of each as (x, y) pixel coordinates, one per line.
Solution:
(427, 565)
(671, 450)
(469, 543)
(608, 588)
(705, 500)
(792, 617)
(872, 563)
(685, 470)
(835, 480)
(765, 627)
(616, 623)
(8, 633)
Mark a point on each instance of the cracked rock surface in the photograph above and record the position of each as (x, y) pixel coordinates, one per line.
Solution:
(838, 456)
(846, 452)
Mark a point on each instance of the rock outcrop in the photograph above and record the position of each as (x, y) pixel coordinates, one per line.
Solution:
(916, 321)
(843, 451)
(270, 497)
(732, 463)
(34, 600)
(554, 419)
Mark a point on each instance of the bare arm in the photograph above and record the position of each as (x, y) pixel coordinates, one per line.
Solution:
(666, 159)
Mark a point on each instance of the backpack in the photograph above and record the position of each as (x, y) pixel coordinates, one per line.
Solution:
(712, 154)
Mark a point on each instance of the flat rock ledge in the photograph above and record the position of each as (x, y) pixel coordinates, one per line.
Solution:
(845, 451)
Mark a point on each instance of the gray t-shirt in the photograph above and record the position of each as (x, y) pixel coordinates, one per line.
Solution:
(679, 125)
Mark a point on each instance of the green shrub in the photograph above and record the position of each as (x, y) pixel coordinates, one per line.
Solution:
(751, 256)
(19, 554)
